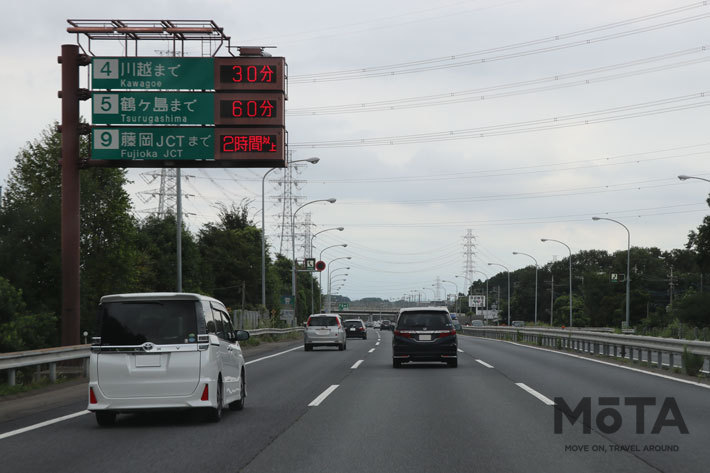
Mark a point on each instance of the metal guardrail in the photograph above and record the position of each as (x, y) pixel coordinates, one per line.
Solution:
(599, 343)
(51, 356)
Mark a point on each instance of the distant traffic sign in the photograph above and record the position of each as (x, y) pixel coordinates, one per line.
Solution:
(320, 266)
(343, 306)
(476, 301)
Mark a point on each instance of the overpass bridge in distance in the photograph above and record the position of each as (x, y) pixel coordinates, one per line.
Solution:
(369, 314)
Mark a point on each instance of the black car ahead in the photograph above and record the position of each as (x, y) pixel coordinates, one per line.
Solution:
(355, 328)
(424, 334)
(386, 325)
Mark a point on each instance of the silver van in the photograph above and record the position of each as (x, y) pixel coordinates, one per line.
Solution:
(324, 330)
(165, 351)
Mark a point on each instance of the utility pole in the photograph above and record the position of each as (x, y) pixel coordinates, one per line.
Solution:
(671, 288)
(552, 297)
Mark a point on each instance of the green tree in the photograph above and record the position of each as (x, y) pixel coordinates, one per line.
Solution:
(699, 242)
(156, 241)
(30, 226)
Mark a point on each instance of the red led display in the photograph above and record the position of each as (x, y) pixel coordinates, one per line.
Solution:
(250, 73)
(248, 143)
(256, 144)
(249, 108)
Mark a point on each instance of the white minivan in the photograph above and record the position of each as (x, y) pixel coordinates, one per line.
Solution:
(165, 351)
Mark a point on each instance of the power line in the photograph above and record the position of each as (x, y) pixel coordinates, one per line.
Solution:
(472, 95)
(643, 109)
(445, 62)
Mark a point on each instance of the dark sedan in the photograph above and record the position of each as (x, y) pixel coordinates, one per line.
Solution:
(424, 334)
(355, 328)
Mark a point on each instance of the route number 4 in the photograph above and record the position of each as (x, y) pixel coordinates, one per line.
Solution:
(105, 68)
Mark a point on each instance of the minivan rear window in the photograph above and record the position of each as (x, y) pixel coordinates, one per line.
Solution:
(424, 320)
(322, 322)
(159, 322)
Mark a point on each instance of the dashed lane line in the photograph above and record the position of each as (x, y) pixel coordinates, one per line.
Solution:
(316, 402)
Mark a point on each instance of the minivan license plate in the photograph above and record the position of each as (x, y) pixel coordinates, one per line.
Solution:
(425, 338)
(145, 361)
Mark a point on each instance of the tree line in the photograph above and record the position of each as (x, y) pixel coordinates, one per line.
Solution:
(119, 252)
(667, 288)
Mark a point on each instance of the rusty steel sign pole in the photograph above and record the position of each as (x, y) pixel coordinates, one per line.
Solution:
(70, 194)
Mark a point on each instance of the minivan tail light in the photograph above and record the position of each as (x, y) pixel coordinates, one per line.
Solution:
(446, 334)
(403, 334)
(206, 393)
(92, 397)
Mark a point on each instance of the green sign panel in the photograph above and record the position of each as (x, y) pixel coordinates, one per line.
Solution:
(158, 143)
(152, 108)
(152, 73)
(343, 306)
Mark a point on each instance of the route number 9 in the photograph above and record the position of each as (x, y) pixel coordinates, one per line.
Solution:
(105, 139)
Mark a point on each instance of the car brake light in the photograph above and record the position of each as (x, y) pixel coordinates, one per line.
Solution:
(206, 393)
(447, 334)
(403, 334)
(338, 320)
(92, 397)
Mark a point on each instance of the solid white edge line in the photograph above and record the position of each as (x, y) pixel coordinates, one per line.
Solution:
(42, 424)
(316, 402)
(357, 363)
(693, 383)
(485, 364)
(371, 350)
(271, 356)
(530, 390)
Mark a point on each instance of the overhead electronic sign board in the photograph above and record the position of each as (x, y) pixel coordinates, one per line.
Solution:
(239, 102)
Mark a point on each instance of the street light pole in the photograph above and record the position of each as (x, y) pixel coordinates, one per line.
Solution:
(328, 266)
(507, 271)
(330, 282)
(536, 266)
(628, 264)
(340, 229)
(570, 274)
(293, 253)
(320, 258)
(485, 276)
(456, 302)
(263, 228)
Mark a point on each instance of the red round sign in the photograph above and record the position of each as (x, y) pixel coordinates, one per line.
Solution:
(320, 266)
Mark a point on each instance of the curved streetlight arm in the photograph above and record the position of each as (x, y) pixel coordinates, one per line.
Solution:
(508, 273)
(628, 261)
(570, 273)
(263, 227)
(293, 252)
(683, 177)
(536, 269)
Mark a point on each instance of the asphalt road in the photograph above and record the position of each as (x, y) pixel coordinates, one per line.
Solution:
(365, 416)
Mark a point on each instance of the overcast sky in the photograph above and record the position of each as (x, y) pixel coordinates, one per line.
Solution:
(522, 120)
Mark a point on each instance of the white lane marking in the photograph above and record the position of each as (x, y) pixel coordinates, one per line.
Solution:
(376, 344)
(530, 390)
(357, 363)
(42, 424)
(316, 402)
(485, 364)
(371, 350)
(701, 385)
(271, 356)
(460, 350)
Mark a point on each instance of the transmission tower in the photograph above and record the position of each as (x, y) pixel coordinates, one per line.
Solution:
(469, 250)
(437, 287)
(290, 200)
(307, 248)
(166, 192)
